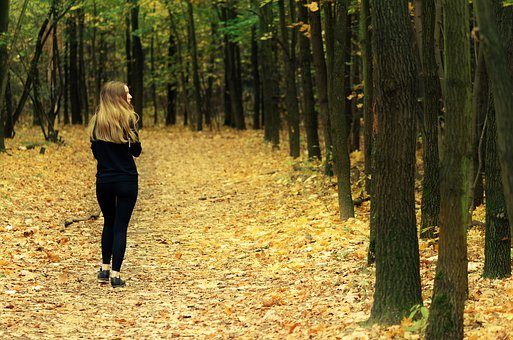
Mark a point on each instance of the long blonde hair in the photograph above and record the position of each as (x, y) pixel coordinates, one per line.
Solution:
(115, 118)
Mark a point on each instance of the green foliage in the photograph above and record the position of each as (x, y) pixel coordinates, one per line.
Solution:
(237, 29)
(507, 3)
(419, 316)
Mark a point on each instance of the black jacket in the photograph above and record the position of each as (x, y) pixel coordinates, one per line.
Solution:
(116, 161)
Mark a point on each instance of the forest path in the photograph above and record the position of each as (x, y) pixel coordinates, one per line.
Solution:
(226, 240)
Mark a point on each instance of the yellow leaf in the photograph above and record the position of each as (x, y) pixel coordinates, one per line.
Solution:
(313, 7)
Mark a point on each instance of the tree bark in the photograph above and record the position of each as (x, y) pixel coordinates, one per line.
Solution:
(269, 83)
(128, 48)
(309, 114)
(496, 39)
(480, 107)
(195, 68)
(171, 85)
(430, 205)
(4, 25)
(138, 64)
(497, 263)
(446, 313)
(397, 254)
(321, 82)
(74, 76)
(289, 64)
(336, 29)
(256, 79)
(81, 66)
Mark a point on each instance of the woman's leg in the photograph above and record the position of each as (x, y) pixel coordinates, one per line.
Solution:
(106, 195)
(126, 198)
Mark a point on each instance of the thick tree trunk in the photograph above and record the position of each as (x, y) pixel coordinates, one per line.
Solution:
(397, 253)
(336, 26)
(310, 114)
(321, 82)
(138, 64)
(430, 205)
(289, 63)
(450, 290)
(4, 25)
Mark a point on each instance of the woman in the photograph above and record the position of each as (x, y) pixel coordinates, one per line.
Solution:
(114, 142)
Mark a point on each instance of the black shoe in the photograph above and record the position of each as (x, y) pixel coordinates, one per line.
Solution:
(116, 282)
(103, 276)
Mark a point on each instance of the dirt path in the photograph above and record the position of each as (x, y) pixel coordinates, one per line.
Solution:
(228, 240)
(224, 242)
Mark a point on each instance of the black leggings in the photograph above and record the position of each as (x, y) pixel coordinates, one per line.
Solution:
(117, 201)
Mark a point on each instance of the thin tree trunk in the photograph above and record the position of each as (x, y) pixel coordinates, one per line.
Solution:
(153, 80)
(336, 25)
(195, 68)
(256, 79)
(430, 205)
(321, 82)
(289, 63)
(269, 84)
(138, 64)
(480, 107)
(128, 47)
(82, 67)
(74, 76)
(497, 263)
(310, 114)
(4, 25)
(171, 85)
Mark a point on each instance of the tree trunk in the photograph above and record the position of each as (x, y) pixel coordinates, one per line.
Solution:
(336, 26)
(480, 107)
(128, 47)
(430, 205)
(450, 290)
(309, 114)
(81, 66)
(4, 25)
(171, 85)
(269, 83)
(321, 82)
(497, 263)
(195, 68)
(397, 253)
(66, 83)
(498, 62)
(256, 79)
(153, 80)
(289, 63)
(368, 115)
(138, 64)
(74, 76)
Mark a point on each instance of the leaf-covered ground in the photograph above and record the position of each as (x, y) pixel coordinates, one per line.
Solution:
(229, 239)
